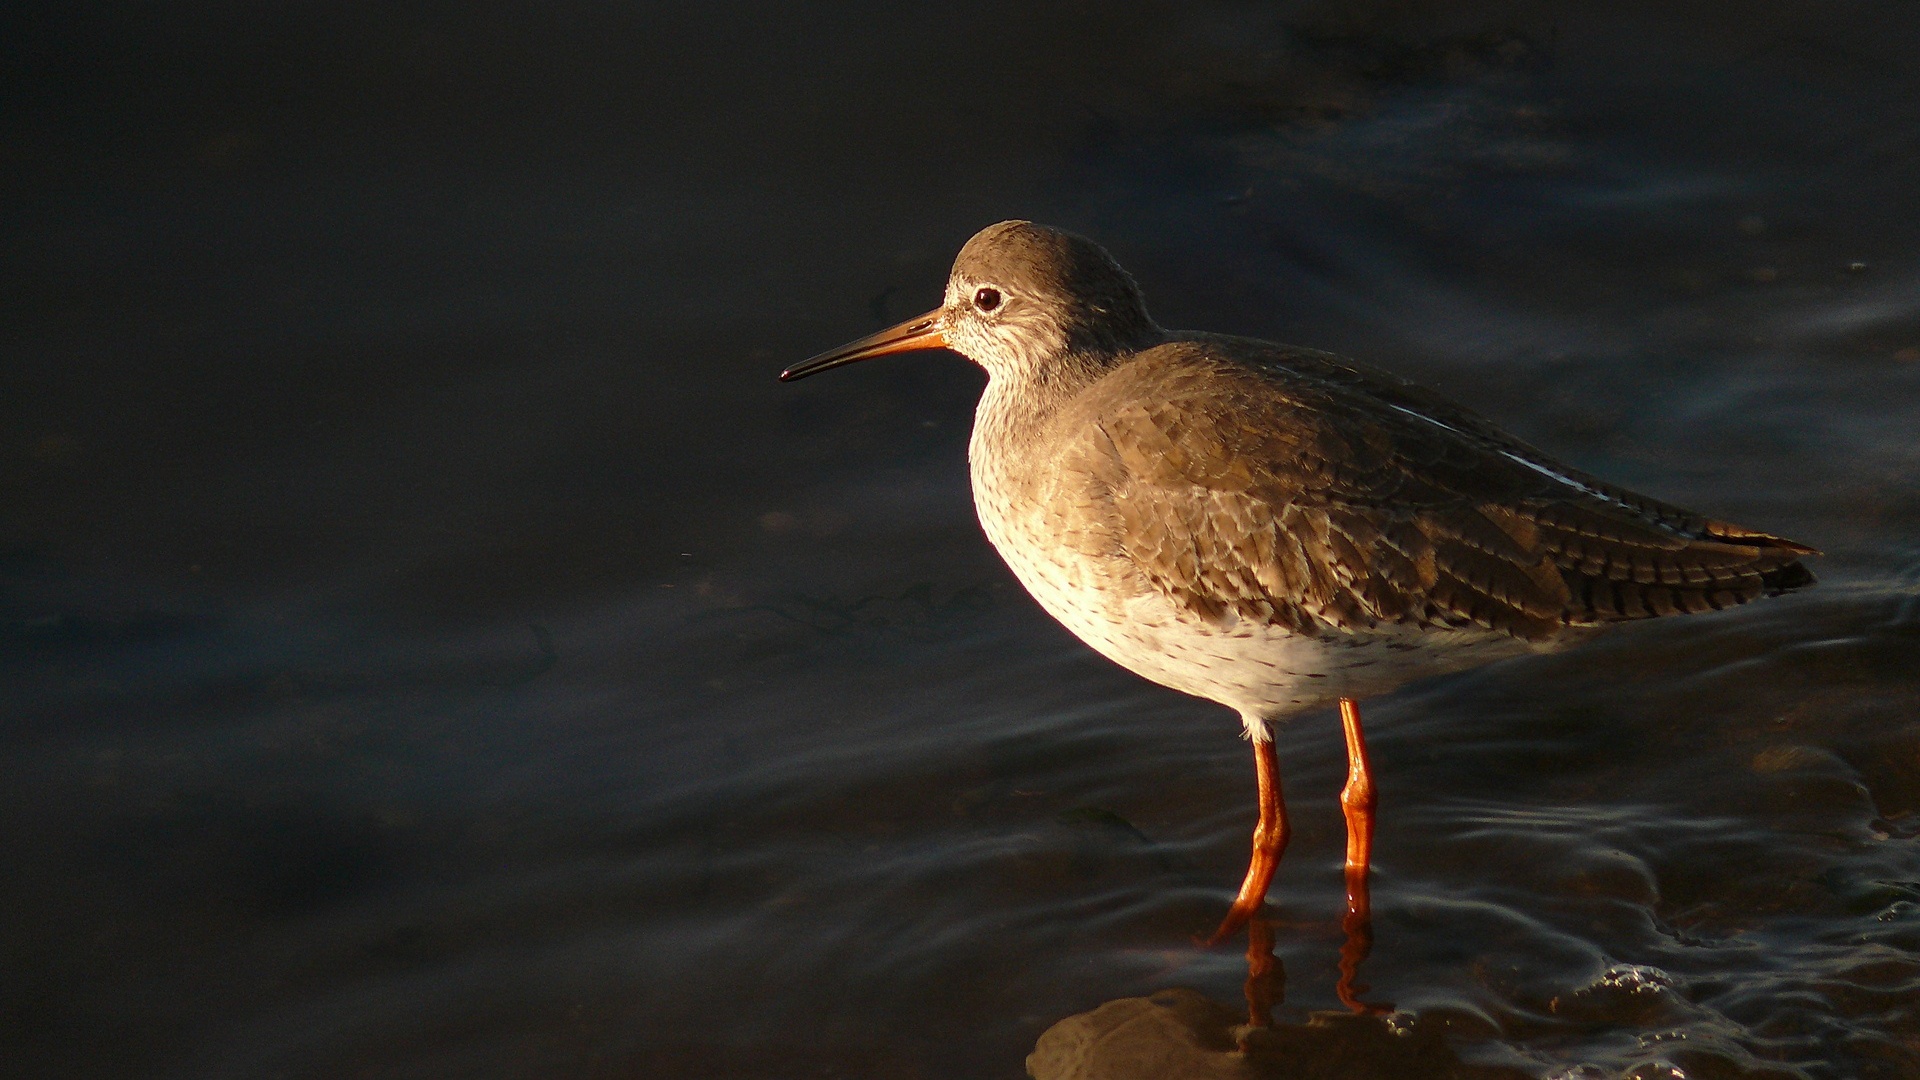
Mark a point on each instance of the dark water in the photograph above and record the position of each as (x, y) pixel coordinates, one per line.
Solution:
(433, 645)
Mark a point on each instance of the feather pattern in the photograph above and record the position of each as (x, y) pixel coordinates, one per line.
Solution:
(1287, 487)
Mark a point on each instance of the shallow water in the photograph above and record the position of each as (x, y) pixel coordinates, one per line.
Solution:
(433, 645)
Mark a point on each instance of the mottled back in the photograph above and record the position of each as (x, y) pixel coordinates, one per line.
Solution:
(1253, 481)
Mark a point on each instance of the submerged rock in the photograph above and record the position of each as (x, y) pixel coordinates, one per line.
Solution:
(1182, 1034)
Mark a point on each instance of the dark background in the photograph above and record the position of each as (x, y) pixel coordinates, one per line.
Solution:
(432, 644)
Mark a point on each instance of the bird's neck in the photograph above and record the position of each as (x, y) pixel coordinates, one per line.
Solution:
(1030, 394)
(1015, 411)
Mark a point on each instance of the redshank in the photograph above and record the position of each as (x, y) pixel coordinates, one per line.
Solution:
(1276, 528)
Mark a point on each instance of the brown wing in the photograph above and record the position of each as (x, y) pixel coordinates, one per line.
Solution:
(1296, 488)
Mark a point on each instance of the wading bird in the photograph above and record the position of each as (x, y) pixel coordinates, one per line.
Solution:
(1276, 528)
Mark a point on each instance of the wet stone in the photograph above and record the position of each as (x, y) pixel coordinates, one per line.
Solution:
(1181, 1034)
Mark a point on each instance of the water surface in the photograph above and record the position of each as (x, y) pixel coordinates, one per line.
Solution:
(433, 645)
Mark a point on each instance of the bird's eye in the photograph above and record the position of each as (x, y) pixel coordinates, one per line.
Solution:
(987, 299)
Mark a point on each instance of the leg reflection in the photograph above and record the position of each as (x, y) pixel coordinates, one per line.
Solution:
(1266, 976)
(1358, 925)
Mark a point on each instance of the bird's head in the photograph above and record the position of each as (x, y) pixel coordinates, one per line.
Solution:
(1022, 298)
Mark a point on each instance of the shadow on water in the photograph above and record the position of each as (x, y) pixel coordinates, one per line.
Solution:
(432, 644)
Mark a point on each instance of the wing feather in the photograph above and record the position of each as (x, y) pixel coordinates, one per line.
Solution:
(1248, 481)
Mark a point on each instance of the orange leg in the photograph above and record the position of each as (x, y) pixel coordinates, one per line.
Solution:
(1269, 842)
(1357, 797)
(1357, 800)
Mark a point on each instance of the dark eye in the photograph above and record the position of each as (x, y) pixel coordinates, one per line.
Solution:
(987, 299)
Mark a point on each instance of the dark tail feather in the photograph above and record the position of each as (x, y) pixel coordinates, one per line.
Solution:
(1780, 579)
(1786, 578)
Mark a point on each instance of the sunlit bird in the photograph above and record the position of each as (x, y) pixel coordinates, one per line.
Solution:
(1277, 528)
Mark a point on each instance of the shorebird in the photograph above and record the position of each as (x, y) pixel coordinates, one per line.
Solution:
(1276, 528)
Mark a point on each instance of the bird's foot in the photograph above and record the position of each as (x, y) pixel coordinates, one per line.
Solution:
(1242, 910)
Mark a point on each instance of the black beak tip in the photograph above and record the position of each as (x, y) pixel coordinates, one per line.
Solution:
(920, 332)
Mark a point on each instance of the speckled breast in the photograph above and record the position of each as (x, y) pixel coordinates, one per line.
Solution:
(1261, 670)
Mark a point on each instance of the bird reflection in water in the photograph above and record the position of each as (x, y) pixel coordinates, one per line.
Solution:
(1181, 1034)
(1266, 985)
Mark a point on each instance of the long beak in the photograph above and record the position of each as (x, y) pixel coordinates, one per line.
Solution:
(920, 332)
